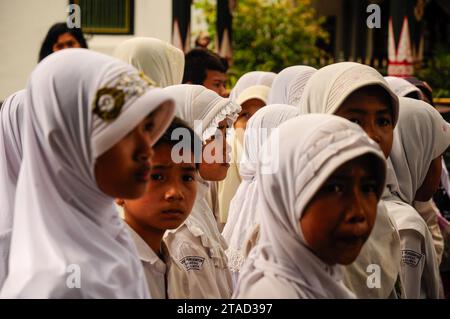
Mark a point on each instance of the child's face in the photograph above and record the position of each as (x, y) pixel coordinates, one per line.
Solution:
(170, 194)
(216, 81)
(431, 182)
(339, 218)
(248, 109)
(215, 161)
(66, 41)
(373, 113)
(123, 171)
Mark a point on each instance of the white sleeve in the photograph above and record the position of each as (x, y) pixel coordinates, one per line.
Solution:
(429, 213)
(412, 263)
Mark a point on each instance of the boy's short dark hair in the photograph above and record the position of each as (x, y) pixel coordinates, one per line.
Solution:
(195, 145)
(198, 61)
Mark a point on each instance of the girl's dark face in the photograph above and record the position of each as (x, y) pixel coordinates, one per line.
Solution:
(66, 41)
(123, 171)
(216, 156)
(370, 108)
(249, 108)
(339, 218)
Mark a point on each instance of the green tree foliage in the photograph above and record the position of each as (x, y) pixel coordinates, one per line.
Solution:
(436, 71)
(270, 35)
(209, 10)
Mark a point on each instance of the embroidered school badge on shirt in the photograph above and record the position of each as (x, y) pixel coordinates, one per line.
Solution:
(192, 262)
(411, 258)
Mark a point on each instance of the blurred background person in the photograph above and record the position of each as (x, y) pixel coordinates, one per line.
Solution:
(60, 37)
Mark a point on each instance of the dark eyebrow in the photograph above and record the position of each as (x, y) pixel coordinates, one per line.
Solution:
(189, 168)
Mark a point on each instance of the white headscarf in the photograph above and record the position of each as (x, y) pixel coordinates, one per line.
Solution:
(325, 92)
(259, 92)
(250, 79)
(401, 87)
(11, 119)
(329, 87)
(160, 61)
(311, 148)
(421, 136)
(78, 105)
(197, 103)
(288, 86)
(243, 212)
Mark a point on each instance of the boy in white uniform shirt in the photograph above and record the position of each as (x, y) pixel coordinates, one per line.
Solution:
(166, 204)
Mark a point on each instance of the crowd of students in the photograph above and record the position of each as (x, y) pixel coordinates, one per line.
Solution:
(138, 176)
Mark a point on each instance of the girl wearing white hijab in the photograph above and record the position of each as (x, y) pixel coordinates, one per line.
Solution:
(298, 252)
(421, 137)
(288, 86)
(90, 121)
(198, 245)
(427, 210)
(360, 94)
(160, 61)
(11, 119)
(251, 100)
(250, 79)
(243, 212)
(251, 85)
(403, 88)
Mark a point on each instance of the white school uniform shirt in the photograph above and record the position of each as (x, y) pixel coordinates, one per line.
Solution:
(429, 213)
(243, 207)
(67, 239)
(288, 86)
(310, 148)
(421, 136)
(199, 255)
(325, 92)
(11, 119)
(155, 268)
(160, 61)
(198, 245)
(164, 276)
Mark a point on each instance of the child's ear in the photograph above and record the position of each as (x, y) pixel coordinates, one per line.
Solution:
(120, 202)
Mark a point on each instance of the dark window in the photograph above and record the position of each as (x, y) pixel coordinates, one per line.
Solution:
(106, 16)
